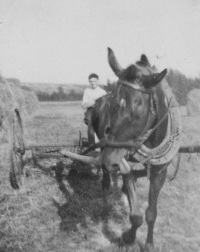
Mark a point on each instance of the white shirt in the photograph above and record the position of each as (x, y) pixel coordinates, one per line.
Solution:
(91, 95)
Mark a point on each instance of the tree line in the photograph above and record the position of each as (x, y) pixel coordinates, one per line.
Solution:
(59, 95)
(180, 84)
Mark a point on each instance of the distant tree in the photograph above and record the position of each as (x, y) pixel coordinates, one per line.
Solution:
(26, 88)
(42, 96)
(73, 96)
(59, 95)
(109, 86)
(181, 85)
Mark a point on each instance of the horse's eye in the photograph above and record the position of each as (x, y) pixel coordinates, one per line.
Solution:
(122, 103)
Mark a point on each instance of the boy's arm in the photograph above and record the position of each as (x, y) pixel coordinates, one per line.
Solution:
(88, 104)
(87, 101)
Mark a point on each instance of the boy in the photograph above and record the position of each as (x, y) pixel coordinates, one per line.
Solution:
(90, 95)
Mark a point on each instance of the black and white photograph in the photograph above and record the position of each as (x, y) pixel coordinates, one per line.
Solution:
(99, 126)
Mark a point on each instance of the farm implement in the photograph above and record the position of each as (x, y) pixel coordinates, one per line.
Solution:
(40, 151)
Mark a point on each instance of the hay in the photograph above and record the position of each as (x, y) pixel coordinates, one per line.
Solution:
(193, 103)
(6, 103)
(11, 97)
(31, 103)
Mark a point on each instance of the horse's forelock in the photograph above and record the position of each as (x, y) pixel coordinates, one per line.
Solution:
(130, 73)
(146, 70)
(144, 65)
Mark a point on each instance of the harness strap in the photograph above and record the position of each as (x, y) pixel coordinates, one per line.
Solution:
(150, 131)
(136, 85)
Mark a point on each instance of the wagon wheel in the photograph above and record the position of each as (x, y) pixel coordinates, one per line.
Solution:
(80, 146)
(17, 151)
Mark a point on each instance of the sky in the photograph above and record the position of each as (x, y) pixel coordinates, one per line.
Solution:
(63, 41)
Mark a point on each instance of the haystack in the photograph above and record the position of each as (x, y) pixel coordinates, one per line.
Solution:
(193, 103)
(31, 102)
(11, 97)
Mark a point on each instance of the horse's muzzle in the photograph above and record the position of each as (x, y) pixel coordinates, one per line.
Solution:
(111, 158)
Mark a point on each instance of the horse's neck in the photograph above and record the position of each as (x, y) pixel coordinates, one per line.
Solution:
(164, 101)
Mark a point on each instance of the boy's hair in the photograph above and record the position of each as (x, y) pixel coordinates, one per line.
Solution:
(93, 75)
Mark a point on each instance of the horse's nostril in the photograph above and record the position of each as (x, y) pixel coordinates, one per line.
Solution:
(115, 165)
(107, 130)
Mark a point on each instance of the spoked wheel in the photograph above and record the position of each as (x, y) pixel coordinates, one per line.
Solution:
(80, 146)
(17, 151)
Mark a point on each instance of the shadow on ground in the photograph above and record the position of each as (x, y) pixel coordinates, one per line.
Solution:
(83, 199)
(83, 212)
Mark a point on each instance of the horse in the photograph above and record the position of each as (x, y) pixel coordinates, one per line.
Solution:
(138, 121)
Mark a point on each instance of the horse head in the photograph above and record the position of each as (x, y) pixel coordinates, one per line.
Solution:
(131, 108)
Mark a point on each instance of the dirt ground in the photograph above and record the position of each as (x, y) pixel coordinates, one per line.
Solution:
(51, 215)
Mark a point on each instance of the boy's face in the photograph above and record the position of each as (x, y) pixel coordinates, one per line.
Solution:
(93, 82)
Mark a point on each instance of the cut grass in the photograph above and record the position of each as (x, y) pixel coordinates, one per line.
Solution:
(56, 216)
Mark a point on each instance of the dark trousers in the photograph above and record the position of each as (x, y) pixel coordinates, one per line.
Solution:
(88, 122)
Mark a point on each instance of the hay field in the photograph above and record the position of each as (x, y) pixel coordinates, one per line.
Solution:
(56, 122)
(51, 215)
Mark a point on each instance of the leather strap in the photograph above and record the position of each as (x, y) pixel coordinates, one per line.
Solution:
(136, 85)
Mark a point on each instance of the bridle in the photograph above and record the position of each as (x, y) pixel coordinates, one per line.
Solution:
(136, 85)
(146, 132)
(133, 146)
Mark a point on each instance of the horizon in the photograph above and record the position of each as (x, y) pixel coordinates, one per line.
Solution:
(87, 84)
(63, 42)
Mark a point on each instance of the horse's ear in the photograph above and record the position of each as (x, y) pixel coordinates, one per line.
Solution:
(160, 76)
(153, 79)
(117, 69)
(144, 60)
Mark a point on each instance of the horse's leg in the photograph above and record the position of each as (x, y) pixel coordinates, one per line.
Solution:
(129, 188)
(157, 179)
(91, 137)
(105, 188)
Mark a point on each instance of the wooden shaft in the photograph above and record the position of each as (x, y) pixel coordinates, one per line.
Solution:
(84, 159)
(190, 149)
(48, 155)
(46, 145)
(68, 154)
